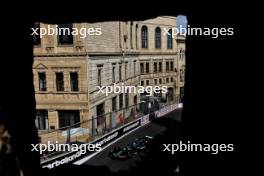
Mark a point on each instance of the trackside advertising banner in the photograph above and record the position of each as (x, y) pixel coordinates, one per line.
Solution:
(145, 120)
(167, 110)
(103, 141)
(71, 157)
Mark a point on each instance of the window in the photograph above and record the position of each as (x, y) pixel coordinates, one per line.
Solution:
(171, 65)
(141, 68)
(42, 81)
(157, 37)
(182, 53)
(69, 118)
(155, 81)
(170, 94)
(167, 66)
(160, 81)
(135, 64)
(147, 82)
(144, 37)
(182, 75)
(113, 73)
(120, 72)
(169, 39)
(131, 35)
(74, 81)
(142, 83)
(36, 38)
(121, 101)
(59, 81)
(126, 70)
(181, 94)
(167, 80)
(136, 36)
(65, 34)
(171, 79)
(155, 67)
(99, 75)
(135, 100)
(160, 66)
(127, 99)
(147, 67)
(41, 120)
(100, 114)
(114, 104)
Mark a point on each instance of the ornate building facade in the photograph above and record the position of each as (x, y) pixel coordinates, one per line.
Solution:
(69, 68)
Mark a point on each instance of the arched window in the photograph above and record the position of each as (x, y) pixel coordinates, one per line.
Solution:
(157, 37)
(169, 39)
(144, 37)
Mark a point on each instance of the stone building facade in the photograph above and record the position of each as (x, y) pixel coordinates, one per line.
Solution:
(68, 70)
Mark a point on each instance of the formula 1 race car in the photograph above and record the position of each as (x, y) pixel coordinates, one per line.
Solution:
(119, 153)
(148, 138)
(130, 149)
(140, 143)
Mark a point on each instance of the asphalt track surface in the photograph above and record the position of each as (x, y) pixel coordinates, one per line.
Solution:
(154, 128)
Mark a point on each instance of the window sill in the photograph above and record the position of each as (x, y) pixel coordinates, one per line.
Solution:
(59, 92)
(67, 92)
(37, 46)
(65, 45)
(41, 92)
